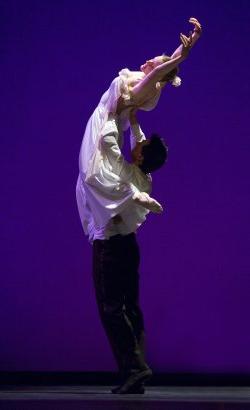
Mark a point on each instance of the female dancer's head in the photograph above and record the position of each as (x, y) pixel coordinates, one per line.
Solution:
(149, 65)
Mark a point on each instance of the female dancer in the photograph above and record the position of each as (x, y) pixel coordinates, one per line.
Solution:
(142, 89)
(130, 90)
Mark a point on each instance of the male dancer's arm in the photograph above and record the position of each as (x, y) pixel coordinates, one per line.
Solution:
(112, 152)
(136, 133)
(120, 166)
(111, 147)
(137, 136)
(124, 169)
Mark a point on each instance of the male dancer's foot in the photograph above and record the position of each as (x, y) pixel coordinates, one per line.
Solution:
(143, 199)
(140, 389)
(134, 382)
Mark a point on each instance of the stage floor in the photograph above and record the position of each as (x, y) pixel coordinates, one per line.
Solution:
(96, 397)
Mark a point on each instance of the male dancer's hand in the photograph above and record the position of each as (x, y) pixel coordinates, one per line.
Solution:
(143, 199)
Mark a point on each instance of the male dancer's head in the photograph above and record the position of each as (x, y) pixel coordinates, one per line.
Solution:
(150, 154)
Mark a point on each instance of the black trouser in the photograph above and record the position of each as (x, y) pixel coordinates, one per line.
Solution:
(116, 279)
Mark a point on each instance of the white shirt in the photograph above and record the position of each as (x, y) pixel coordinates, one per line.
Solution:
(100, 192)
(109, 191)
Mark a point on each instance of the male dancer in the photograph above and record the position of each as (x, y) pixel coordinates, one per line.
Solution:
(115, 249)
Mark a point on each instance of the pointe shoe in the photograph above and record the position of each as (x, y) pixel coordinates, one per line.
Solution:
(143, 199)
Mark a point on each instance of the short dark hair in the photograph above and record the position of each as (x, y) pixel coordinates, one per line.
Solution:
(154, 154)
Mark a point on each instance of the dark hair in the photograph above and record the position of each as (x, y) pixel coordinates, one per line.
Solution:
(154, 154)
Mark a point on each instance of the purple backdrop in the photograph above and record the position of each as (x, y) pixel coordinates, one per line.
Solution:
(57, 58)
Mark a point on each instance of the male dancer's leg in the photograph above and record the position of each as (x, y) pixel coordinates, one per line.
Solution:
(131, 293)
(130, 267)
(108, 261)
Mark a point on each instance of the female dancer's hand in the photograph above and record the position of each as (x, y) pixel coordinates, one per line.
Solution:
(197, 25)
(186, 44)
(184, 48)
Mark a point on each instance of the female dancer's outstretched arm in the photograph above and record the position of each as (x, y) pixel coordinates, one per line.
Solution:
(195, 36)
(146, 87)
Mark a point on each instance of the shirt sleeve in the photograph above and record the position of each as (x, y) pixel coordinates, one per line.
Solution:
(136, 135)
(113, 154)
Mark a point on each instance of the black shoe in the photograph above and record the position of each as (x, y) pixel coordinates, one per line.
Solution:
(139, 389)
(133, 384)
